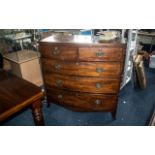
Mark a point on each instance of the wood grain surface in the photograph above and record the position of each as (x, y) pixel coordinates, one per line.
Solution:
(82, 75)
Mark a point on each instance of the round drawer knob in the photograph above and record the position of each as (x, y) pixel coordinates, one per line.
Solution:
(56, 50)
(77, 78)
(99, 54)
(97, 101)
(98, 85)
(58, 82)
(60, 96)
(77, 63)
(99, 70)
(57, 66)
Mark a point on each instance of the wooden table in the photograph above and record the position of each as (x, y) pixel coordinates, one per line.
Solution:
(16, 94)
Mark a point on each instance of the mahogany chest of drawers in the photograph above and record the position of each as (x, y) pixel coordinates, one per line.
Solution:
(82, 75)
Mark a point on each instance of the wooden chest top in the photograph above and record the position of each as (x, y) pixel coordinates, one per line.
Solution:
(79, 40)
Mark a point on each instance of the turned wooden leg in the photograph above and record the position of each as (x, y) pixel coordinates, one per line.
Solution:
(37, 113)
(114, 114)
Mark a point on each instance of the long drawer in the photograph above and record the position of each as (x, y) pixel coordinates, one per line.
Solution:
(83, 101)
(59, 52)
(95, 69)
(100, 54)
(82, 84)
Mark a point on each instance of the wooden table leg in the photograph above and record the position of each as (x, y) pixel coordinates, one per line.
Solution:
(37, 113)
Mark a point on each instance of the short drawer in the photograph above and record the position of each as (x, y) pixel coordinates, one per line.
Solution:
(83, 101)
(82, 84)
(94, 69)
(100, 54)
(59, 52)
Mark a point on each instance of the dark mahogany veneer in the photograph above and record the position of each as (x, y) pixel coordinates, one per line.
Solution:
(16, 94)
(82, 75)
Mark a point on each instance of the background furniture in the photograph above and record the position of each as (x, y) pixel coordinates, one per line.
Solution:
(131, 50)
(16, 94)
(80, 74)
(26, 64)
(148, 34)
(19, 37)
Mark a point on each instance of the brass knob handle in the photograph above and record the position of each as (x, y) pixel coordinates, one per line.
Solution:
(98, 85)
(97, 101)
(57, 66)
(99, 70)
(56, 51)
(77, 78)
(99, 54)
(60, 96)
(58, 82)
(77, 63)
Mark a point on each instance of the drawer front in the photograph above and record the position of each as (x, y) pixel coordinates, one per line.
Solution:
(82, 84)
(100, 54)
(94, 69)
(59, 52)
(83, 101)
